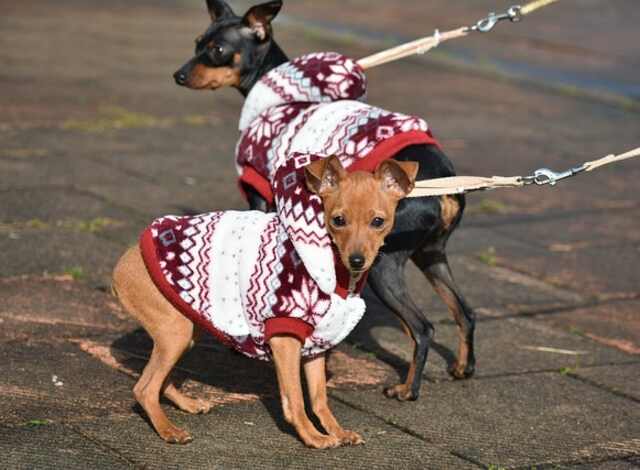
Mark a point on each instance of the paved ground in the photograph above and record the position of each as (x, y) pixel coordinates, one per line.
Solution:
(96, 141)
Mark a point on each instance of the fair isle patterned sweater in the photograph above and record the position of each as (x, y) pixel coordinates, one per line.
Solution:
(313, 106)
(237, 276)
(246, 276)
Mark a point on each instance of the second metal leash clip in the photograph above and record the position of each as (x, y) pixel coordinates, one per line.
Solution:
(546, 176)
(485, 25)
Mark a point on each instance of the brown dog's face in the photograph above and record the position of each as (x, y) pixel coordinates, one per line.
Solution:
(360, 207)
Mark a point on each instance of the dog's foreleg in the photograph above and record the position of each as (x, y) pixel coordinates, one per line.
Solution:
(387, 280)
(315, 373)
(286, 356)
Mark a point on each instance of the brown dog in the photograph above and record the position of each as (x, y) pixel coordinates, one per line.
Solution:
(360, 210)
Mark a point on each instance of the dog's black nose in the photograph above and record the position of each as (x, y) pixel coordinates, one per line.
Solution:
(180, 77)
(356, 261)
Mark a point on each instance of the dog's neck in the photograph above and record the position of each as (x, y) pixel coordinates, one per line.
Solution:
(271, 59)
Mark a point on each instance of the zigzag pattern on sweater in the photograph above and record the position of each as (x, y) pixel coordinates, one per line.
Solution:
(234, 271)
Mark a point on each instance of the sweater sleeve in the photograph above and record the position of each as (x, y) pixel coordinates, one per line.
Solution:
(289, 326)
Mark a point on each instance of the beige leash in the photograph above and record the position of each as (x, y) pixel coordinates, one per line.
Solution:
(421, 46)
(543, 176)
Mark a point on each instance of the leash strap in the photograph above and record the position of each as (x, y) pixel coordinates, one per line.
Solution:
(421, 46)
(541, 177)
(533, 6)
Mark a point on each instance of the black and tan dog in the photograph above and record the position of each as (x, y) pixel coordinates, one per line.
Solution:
(237, 51)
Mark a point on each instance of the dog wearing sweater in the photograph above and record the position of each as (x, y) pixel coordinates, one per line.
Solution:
(314, 104)
(237, 276)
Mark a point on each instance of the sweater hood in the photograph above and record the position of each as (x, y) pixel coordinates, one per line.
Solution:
(320, 77)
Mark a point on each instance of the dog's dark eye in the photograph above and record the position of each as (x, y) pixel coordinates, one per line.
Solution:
(217, 50)
(377, 222)
(338, 221)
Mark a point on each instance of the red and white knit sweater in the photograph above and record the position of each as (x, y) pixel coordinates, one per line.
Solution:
(237, 275)
(313, 106)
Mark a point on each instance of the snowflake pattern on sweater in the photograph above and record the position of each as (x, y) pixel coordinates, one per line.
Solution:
(238, 276)
(312, 108)
(314, 105)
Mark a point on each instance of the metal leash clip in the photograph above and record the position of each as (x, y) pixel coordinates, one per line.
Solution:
(545, 176)
(485, 25)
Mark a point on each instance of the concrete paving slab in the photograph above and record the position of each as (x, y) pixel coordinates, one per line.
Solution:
(59, 304)
(602, 249)
(120, 178)
(573, 232)
(56, 381)
(256, 435)
(45, 446)
(504, 346)
(614, 324)
(623, 379)
(60, 207)
(623, 464)
(83, 255)
(601, 271)
(538, 419)
(485, 285)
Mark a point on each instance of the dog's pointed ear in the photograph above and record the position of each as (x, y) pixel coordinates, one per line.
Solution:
(219, 9)
(259, 18)
(324, 175)
(396, 177)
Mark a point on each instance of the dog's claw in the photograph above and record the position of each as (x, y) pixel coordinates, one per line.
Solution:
(400, 392)
(351, 438)
(175, 435)
(323, 442)
(197, 406)
(461, 372)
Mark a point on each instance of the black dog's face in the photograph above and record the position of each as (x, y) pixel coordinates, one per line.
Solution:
(229, 48)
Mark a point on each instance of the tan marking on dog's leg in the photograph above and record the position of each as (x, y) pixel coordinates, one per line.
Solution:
(458, 368)
(449, 209)
(315, 373)
(286, 357)
(403, 391)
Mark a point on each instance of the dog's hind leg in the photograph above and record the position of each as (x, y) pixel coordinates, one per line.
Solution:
(387, 280)
(185, 403)
(172, 335)
(434, 265)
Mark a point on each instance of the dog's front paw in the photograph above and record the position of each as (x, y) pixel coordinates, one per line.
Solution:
(196, 406)
(350, 438)
(401, 392)
(174, 435)
(322, 442)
